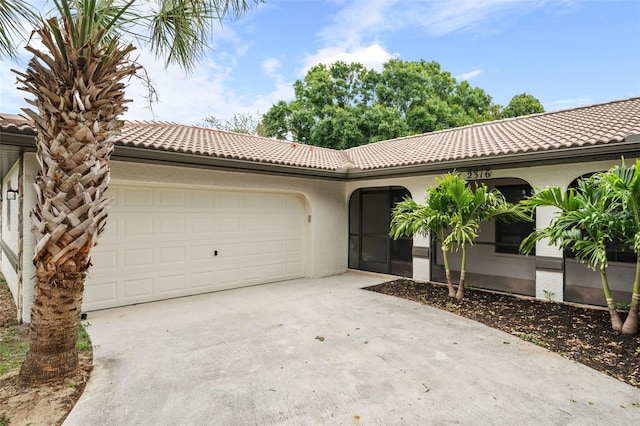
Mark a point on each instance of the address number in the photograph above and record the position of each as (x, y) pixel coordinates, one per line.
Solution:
(478, 174)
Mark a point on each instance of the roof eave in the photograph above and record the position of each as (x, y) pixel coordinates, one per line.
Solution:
(151, 156)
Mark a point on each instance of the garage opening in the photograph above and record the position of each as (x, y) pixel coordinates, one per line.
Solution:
(370, 247)
(163, 242)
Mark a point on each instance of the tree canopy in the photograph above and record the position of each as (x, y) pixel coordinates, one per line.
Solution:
(522, 104)
(241, 122)
(345, 105)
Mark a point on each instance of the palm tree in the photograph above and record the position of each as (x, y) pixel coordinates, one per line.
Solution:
(587, 222)
(454, 212)
(77, 82)
(409, 218)
(623, 184)
(472, 207)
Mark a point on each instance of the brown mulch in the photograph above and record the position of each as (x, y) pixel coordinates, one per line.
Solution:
(35, 405)
(582, 334)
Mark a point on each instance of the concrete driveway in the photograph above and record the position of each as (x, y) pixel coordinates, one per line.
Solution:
(322, 351)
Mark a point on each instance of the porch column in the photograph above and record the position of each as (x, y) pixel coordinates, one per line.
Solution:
(421, 258)
(549, 262)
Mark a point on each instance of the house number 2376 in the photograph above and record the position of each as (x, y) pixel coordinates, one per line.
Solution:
(478, 174)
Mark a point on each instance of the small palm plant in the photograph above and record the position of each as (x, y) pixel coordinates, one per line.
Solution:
(587, 222)
(409, 218)
(454, 213)
(623, 184)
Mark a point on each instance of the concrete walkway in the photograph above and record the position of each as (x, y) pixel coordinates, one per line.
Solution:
(322, 351)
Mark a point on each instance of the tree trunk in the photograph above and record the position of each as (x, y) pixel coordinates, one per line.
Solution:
(616, 322)
(630, 325)
(447, 271)
(79, 96)
(463, 267)
(53, 331)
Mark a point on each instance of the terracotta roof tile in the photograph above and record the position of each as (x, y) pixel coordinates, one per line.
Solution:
(216, 143)
(607, 123)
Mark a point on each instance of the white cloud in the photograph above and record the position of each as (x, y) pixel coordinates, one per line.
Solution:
(372, 56)
(270, 66)
(468, 75)
(354, 32)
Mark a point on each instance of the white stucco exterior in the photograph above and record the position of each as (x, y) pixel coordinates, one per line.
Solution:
(326, 251)
(326, 207)
(10, 226)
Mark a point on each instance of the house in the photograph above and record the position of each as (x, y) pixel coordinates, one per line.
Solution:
(199, 210)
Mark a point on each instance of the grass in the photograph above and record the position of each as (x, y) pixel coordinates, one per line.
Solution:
(14, 347)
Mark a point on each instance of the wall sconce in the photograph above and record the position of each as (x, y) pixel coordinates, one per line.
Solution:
(12, 194)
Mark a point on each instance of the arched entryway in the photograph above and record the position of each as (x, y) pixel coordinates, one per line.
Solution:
(370, 247)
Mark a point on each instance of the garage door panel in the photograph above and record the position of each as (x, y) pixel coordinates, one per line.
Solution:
(202, 225)
(202, 279)
(137, 287)
(172, 198)
(106, 259)
(102, 292)
(137, 226)
(172, 226)
(171, 284)
(137, 197)
(160, 243)
(172, 254)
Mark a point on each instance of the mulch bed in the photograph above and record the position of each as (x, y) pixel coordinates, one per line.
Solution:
(582, 334)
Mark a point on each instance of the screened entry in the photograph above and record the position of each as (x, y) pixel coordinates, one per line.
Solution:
(370, 247)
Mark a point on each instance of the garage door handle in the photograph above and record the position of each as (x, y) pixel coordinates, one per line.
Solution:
(215, 252)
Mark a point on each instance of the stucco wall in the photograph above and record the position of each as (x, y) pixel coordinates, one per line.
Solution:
(327, 241)
(10, 229)
(487, 261)
(327, 205)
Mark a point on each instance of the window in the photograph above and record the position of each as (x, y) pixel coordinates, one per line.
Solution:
(510, 235)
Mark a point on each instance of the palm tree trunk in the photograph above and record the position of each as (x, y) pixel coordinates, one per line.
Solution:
(616, 322)
(463, 267)
(630, 325)
(452, 291)
(53, 331)
(79, 96)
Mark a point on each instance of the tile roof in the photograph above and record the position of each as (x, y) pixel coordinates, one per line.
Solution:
(602, 124)
(222, 144)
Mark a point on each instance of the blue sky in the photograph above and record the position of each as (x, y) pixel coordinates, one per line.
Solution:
(565, 53)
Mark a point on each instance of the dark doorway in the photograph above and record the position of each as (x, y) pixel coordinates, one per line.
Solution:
(370, 247)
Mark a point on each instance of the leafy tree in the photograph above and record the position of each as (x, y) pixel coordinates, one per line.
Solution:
(345, 105)
(454, 212)
(240, 123)
(604, 210)
(522, 104)
(77, 82)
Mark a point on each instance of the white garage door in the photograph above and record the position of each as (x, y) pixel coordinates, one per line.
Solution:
(166, 242)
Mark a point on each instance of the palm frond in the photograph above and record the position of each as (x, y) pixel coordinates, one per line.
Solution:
(13, 13)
